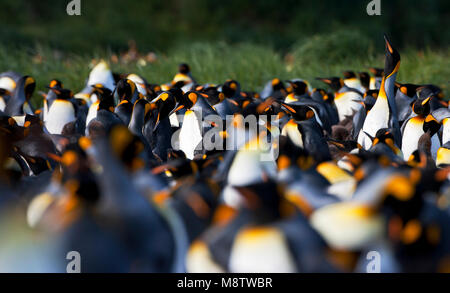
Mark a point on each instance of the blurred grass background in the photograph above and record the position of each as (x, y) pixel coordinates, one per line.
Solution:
(251, 41)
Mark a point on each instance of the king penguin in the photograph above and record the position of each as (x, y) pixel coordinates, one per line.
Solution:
(18, 104)
(61, 111)
(8, 82)
(347, 100)
(100, 74)
(50, 97)
(414, 128)
(384, 112)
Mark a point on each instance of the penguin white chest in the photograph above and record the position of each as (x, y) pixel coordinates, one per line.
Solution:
(355, 84)
(347, 103)
(2, 104)
(376, 119)
(92, 113)
(446, 131)
(190, 134)
(59, 114)
(261, 250)
(291, 130)
(411, 135)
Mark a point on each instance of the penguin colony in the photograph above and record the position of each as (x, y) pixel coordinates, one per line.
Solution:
(115, 173)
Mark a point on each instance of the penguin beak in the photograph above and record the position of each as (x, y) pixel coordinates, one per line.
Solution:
(388, 44)
(157, 121)
(426, 101)
(54, 89)
(177, 108)
(287, 107)
(338, 144)
(371, 137)
(325, 80)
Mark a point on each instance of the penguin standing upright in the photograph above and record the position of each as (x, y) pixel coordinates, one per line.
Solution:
(347, 100)
(441, 116)
(161, 131)
(191, 132)
(50, 97)
(127, 94)
(404, 98)
(413, 128)
(384, 112)
(8, 83)
(184, 78)
(104, 118)
(100, 74)
(18, 104)
(274, 88)
(141, 84)
(61, 111)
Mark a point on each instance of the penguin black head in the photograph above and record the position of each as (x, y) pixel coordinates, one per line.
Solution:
(407, 89)
(61, 93)
(101, 91)
(213, 95)
(55, 83)
(277, 85)
(422, 106)
(153, 90)
(4, 92)
(335, 83)
(384, 135)
(184, 68)
(299, 87)
(165, 103)
(230, 88)
(370, 97)
(392, 61)
(33, 123)
(377, 72)
(262, 199)
(364, 77)
(349, 74)
(180, 84)
(125, 89)
(105, 96)
(127, 147)
(177, 94)
(29, 86)
(431, 125)
(190, 99)
(300, 112)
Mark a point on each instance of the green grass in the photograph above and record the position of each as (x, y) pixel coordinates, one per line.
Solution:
(252, 65)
